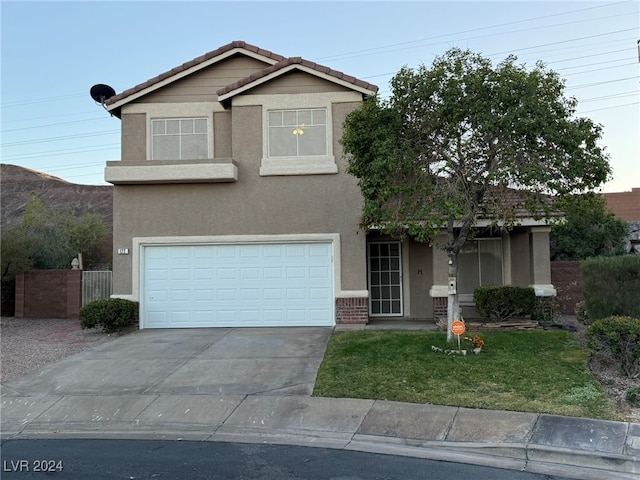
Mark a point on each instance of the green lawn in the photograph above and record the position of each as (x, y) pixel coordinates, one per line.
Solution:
(527, 371)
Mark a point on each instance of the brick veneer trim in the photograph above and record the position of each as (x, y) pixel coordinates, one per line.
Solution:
(352, 310)
(440, 306)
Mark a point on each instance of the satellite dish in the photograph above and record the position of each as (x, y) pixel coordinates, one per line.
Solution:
(101, 93)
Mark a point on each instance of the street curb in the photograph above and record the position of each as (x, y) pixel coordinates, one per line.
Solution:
(511, 456)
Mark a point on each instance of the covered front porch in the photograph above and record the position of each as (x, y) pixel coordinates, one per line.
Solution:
(408, 281)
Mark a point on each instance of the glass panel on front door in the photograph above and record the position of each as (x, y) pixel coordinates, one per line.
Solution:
(385, 279)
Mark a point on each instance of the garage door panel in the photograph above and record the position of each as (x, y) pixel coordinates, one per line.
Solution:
(238, 285)
(226, 273)
(203, 273)
(249, 273)
(318, 293)
(180, 253)
(272, 294)
(272, 273)
(272, 251)
(204, 295)
(295, 273)
(223, 294)
(296, 293)
(180, 296)
(248, 294)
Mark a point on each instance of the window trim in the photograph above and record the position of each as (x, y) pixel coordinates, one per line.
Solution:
(179, 119)
(297, 129)
(314, 165)
(401, 283)
(175, 110)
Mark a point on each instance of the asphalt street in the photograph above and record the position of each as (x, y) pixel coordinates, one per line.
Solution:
(184, 460)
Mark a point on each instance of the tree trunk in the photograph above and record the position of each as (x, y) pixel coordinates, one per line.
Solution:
(453, 305)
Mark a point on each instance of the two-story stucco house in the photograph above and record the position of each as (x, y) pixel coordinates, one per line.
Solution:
(232, 205)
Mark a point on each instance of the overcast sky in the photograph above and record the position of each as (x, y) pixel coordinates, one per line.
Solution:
(53, 52)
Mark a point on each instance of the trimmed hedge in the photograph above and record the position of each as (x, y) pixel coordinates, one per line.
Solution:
(111, 314)
(611, 285)
(617, 338)
(505, 301)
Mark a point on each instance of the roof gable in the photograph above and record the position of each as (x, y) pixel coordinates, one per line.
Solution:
(276, 66)
(295, 64)
(114, 103)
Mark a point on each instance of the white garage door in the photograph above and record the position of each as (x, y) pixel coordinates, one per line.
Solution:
(250, 285)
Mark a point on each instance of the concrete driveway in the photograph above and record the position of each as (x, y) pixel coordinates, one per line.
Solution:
(221, 361)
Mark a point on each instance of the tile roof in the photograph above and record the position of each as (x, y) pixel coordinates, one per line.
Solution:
(192, 63)
(279, 62)
(624, 205)
(296, 61)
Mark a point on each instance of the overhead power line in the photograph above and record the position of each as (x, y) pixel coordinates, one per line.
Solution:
(355, 53)
(70, 151)
(54, 124)
(58, 139)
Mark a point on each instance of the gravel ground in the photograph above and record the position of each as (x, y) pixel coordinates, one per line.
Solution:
(27, 344)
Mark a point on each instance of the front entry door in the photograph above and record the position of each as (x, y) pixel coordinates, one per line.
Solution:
(385, 279)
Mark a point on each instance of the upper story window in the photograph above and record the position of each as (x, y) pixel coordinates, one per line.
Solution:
(297, 133)
(179, 139)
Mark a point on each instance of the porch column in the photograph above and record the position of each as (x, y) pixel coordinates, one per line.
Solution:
(440, 288)
(540, 262)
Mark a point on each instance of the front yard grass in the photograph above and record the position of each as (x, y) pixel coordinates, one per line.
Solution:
(526, 371)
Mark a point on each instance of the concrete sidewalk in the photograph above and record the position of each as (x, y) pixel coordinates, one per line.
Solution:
(183, 385)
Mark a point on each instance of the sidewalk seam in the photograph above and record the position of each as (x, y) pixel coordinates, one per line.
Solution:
(357, 429)
(450, 425)
(231, 413)
(527, 442)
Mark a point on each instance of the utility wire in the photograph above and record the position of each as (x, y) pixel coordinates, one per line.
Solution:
(54, 124)
(69, 151)
(350, 54)
(58, 139)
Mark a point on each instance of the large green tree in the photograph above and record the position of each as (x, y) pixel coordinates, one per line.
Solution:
(457, 138)
(587, 230)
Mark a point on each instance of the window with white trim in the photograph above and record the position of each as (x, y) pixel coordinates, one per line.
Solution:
(297, 133)
(479, 264)
(179, 139)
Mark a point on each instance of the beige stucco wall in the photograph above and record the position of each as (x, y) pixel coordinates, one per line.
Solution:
(420, 277)
(520, 258)
(253, 205)
(133, 133)
(540, 256)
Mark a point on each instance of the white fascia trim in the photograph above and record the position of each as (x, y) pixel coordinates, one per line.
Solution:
(188, 72)
(198, 173)
(302, 68)
(138, 243)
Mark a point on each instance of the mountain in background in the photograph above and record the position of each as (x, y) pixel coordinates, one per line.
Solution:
(17, 183)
